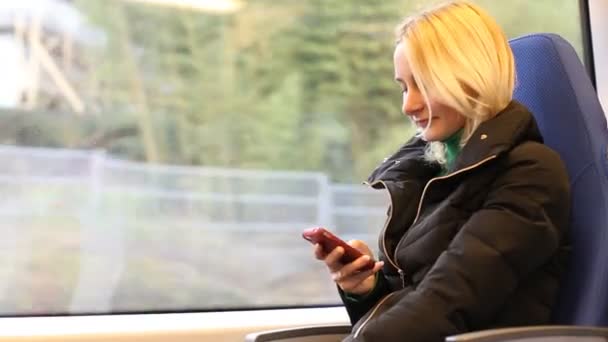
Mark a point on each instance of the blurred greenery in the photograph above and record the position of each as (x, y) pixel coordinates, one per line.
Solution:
(290, 85)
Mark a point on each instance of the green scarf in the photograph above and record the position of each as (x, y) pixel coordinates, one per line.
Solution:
(452, 148)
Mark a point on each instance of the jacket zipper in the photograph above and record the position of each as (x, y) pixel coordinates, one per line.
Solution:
(372, 313)
(434, 179)
(386, 223)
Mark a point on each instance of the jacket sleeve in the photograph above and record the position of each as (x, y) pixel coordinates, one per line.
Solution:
(517, 230)
(357, 308)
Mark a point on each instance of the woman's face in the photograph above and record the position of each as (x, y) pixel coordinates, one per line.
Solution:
(445, 121)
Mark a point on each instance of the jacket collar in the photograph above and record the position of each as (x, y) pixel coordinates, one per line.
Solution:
(510, 127)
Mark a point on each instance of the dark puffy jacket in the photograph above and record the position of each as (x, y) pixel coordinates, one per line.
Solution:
(478, 248)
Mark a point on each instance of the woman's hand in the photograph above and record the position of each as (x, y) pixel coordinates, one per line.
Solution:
(348, 276)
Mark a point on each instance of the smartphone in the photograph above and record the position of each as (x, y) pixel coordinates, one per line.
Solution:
(329, 241)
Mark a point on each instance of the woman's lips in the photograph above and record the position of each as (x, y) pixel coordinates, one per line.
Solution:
(422, 123)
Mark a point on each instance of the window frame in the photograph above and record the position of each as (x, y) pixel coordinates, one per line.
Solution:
(595, 34)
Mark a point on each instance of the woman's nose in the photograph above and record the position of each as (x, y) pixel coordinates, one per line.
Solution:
(413, 102)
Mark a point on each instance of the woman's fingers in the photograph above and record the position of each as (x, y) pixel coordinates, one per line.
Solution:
(378, 266)
(350, 277)
(332, 260)
(318, 251)
(360, 282)
(356, 265)
(352, 270)
(360, 245)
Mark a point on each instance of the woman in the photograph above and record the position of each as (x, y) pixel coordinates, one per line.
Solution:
(475, 235)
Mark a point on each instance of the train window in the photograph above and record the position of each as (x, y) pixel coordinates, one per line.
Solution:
(164, 156)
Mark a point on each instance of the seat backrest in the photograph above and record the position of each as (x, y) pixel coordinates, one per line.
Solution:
(554, 85)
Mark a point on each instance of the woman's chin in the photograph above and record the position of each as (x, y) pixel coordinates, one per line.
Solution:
(427, 137)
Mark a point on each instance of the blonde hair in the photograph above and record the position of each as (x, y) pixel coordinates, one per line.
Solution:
(460, 56)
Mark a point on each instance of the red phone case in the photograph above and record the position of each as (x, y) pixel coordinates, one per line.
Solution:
(329, 241)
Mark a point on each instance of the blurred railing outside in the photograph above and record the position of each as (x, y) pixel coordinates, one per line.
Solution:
(127, 218)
